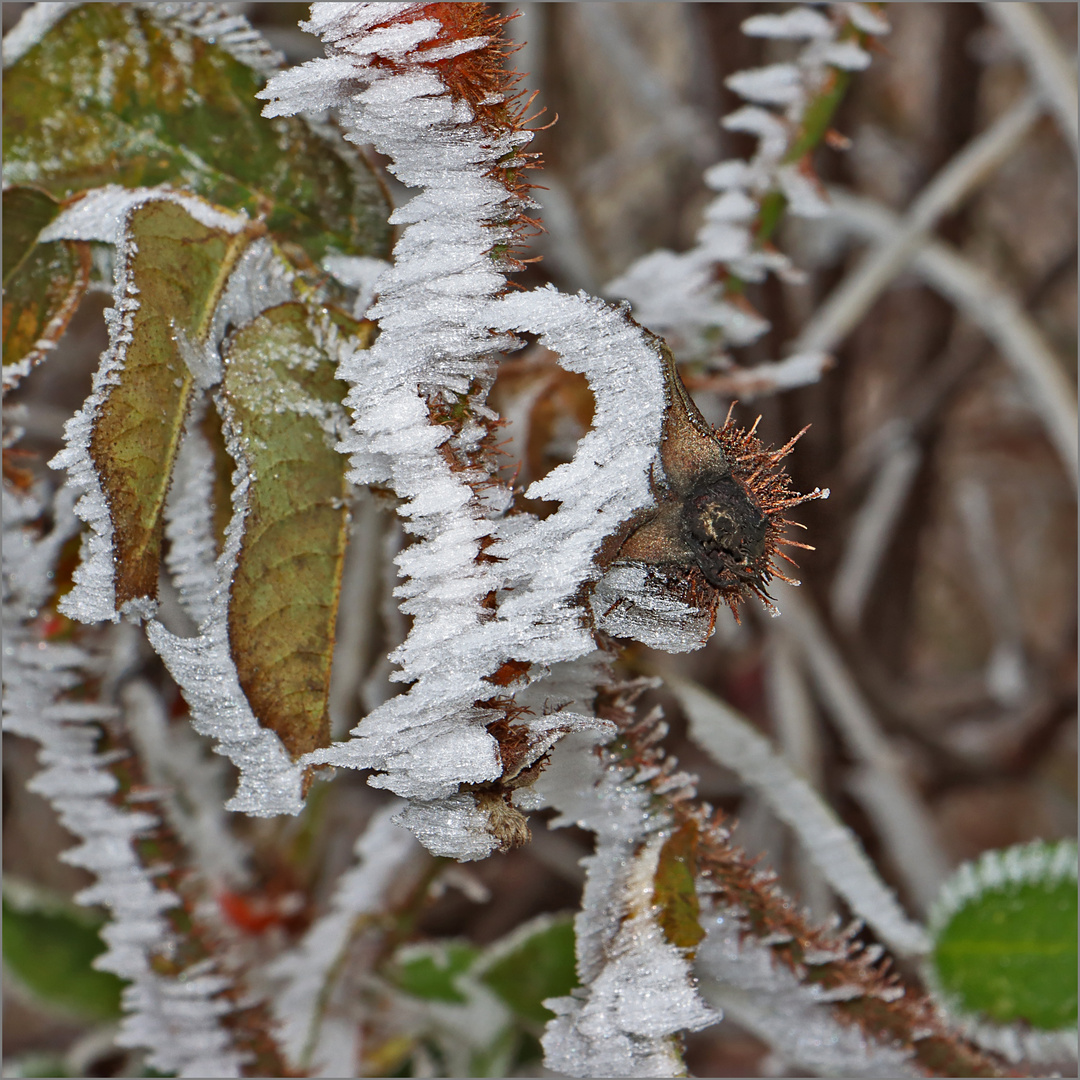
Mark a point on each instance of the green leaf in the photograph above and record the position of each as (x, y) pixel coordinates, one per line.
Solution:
(430, 975)
(1005, 937)
(537, 965)
(43, 283)
(113, 95)
(48, 949)
(674, 890)
(282, 404)
(39, 301)
(27, 211)
(179, 268)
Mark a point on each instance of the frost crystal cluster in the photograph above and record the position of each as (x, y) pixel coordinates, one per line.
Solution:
(693, 299)
(178, 1018)
(211, 475)
(485, 591)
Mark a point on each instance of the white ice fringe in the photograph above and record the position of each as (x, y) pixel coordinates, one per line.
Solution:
(176, 1018)
(677, 295)
(387, 858)
(441, 321)
(740, 975)
(732, 742)
(637, 990)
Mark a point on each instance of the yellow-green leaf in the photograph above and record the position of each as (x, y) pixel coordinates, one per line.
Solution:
(674, 891)
(281, 401)
(114, 93)
(179, 268)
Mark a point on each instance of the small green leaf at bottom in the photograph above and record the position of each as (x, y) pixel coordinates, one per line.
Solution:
(1005, 937)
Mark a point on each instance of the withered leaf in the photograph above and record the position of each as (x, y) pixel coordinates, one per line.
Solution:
(180, 268)
(115, 94)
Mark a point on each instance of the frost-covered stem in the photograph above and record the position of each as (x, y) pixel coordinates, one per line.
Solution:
(188, 955)
(1051, 68)
(880, 780)
(177, 1014)
(872, 529)
(626, 960)
(695, 299)
(495, 600)
(734, 743)
(318, 1031)
(834, 970)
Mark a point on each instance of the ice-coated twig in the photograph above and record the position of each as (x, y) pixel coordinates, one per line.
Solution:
(1052, 70)
(990, 306)
(973, 165)
(740, 976)
(732, 742)
(192, 784)
(388, 861)
(879, 781)
(684, 297)
(872, 528)
(176, 1018)
(442, 317)
(838, 976)
(797, 724)
(613, 1027)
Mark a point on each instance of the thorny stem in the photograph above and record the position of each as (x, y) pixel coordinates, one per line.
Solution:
(887, 1010)
(812, 131)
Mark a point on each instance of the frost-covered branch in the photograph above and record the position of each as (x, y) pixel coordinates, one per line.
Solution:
(695, 299)
(791, 981)
(733, 742)
(489, 609)
(1051, 68)
(177, 1017)
(317, 1031)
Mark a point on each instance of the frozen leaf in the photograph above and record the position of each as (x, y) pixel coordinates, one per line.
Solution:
(27, 211)
(43, 283)
(1005, 936)
(116, 93)
(283, 409)
(430, 974)
(172, 272)
(674, 892)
